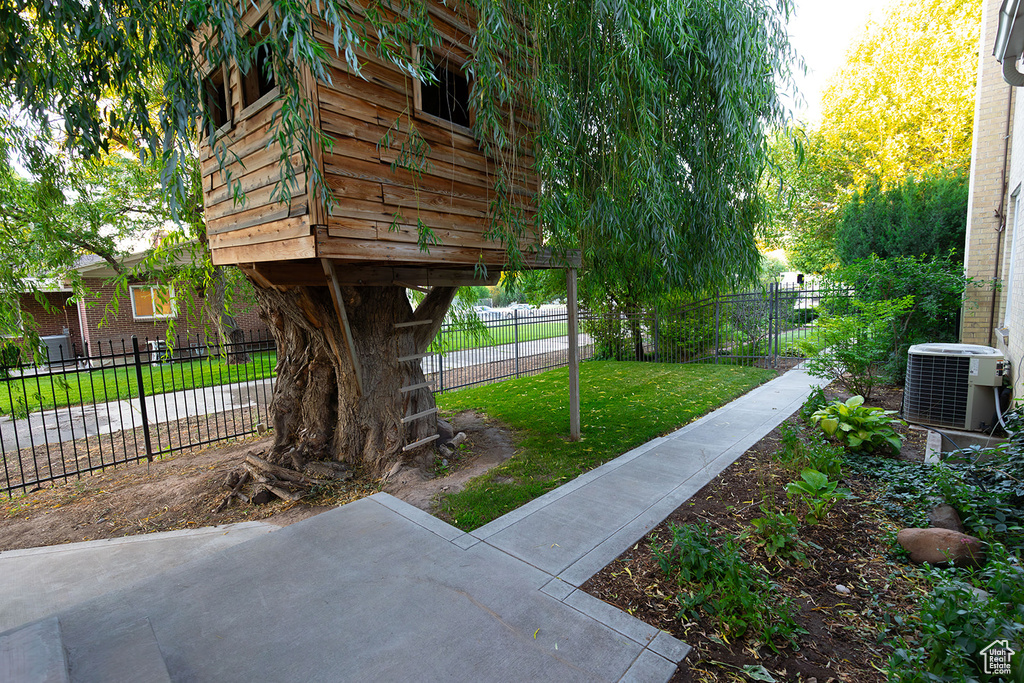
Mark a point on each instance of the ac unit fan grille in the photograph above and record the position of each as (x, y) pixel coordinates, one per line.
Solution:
(936, 390)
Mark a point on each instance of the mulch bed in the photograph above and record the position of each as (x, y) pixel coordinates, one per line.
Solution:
(845, 632)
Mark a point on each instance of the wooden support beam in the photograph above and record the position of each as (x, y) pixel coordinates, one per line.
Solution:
(415, 356)
(574, 357)
(339, 307)
(413, 323)
(415, 387)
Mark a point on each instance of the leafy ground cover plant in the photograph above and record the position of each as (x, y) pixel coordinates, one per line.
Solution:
(716, 581)
(817, 492)
(966, 612)
(802, 451)
(858, 426)
(777, 534)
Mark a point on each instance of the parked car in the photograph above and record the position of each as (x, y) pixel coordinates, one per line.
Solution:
(486, 313)
(524, 309)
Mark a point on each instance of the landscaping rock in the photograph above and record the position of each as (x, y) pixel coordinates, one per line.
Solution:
(945, 516)
(445, 431)
(941, 546)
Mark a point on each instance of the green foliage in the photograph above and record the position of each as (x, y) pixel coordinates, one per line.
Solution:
(776, 534)
(818, 494)
(812, 451)
(622, 405)
(717, 582)
(936, 285)
(956, 623)
(10, 357)
(684, 328)
(857, 346)
(815, 401)
(926, 217)
(902, 105)
(858, 426)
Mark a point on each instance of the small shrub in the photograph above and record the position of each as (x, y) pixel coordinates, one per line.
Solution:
(812, 452)
(776, 534)
(856, 347)
(818, 494)
(717, 582)
(858, 426)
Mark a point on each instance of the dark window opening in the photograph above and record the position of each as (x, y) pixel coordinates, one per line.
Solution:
(260, 79)
(215, 98)
(448, 98)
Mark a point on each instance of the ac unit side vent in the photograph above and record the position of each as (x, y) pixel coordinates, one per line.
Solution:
(937, 389)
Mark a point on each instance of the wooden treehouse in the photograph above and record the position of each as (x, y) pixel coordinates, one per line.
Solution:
(381, 200)
(411, 194)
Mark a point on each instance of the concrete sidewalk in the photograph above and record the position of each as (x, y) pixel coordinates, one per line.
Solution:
(378, 590)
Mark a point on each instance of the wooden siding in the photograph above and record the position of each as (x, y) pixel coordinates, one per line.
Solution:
(377, 207)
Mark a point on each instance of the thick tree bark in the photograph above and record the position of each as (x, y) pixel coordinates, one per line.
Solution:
(318, 413)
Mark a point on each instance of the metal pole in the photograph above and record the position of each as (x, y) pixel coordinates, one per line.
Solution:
(515, 335)
(575, 431)
(718, 307)
(142, 398)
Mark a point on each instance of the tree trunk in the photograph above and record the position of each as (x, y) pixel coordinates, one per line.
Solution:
(318, 413)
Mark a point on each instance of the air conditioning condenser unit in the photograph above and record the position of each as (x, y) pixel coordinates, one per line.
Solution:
(951, 385)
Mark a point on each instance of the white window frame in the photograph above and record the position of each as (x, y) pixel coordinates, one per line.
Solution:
(153, 289)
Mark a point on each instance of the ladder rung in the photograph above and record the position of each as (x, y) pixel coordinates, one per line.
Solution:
(418, 415)
(414, 323)
(422, 441)
(415, 356)
(414, 387)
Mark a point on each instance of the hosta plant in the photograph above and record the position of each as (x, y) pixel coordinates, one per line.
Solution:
(860, 427)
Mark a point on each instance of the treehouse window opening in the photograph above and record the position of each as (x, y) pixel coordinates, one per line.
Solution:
(215, 99)
(259, 81)
(448, 97)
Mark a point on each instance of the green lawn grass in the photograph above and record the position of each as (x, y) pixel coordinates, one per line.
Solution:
(622, 405)
(28, 394)
(458, 340)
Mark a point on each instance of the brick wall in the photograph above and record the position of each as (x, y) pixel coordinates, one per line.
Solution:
(987, 189)
(61, 316)
(104, 326)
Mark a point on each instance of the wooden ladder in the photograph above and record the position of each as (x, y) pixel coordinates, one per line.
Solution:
(416, 357)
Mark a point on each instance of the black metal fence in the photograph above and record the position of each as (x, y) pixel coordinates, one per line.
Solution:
(110, 403)
(87, 409)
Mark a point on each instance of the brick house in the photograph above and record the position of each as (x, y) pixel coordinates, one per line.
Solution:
(148, 310)
(995, 245)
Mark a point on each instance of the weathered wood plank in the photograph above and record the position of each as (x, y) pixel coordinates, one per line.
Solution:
(300, 247)
(273, 232)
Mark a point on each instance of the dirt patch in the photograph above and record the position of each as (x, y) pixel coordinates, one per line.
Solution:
(488, 444)
(853, 576)
(181, 491)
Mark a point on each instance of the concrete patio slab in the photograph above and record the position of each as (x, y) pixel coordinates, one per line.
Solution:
(38, 582)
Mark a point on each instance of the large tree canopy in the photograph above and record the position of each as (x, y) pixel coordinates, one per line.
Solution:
(649, 139)
(902, 106)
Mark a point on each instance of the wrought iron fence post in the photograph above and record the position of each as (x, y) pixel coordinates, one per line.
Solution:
(142, 398)
(515, 330)
(440, 372)
(657, 354)
(718, 305)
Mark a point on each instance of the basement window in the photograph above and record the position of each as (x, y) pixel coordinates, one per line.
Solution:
(152, 302)
(216, 101)
(448, 97)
